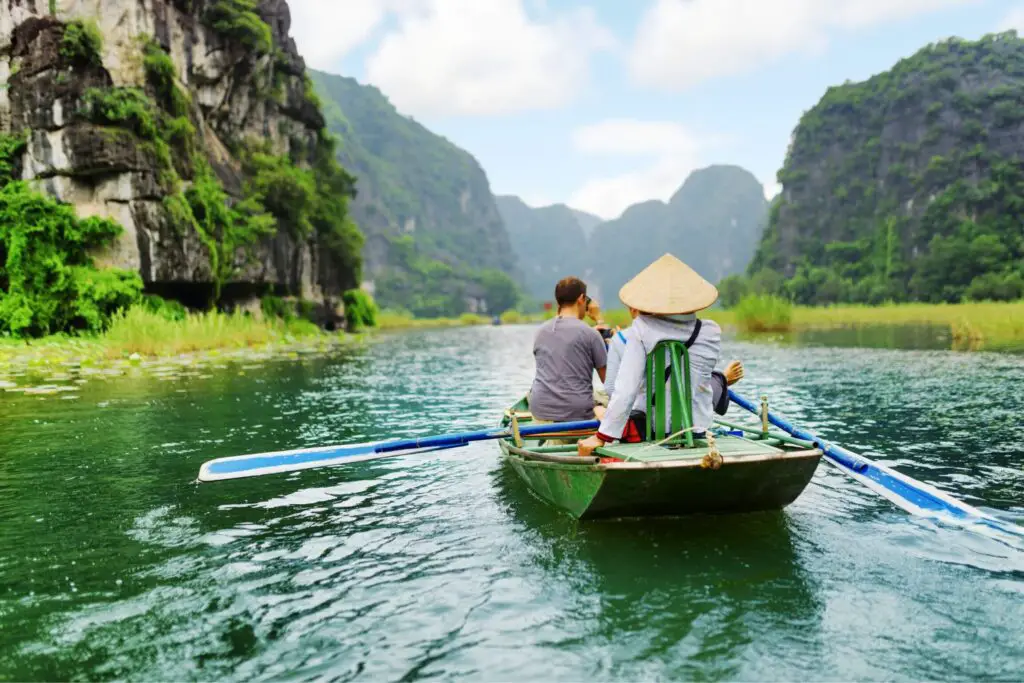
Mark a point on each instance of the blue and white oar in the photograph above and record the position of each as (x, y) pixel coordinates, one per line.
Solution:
(913, 496)
(278, 462)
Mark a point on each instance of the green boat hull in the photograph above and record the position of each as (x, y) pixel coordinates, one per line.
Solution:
(646, 480)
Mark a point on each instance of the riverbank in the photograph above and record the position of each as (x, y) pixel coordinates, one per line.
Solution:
(976, 326)
(141, 341)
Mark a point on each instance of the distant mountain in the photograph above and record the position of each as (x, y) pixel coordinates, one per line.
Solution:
(549, 242)
(587, 221)
(713, 222)
(435, 242)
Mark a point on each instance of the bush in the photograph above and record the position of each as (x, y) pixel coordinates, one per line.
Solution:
(276, 307)
(82, 43)
(47, 280)
(167, 309)
(360, 309)
(764, 313)
(127, 108)
(11, 149)
(732, 289)
(238, 20)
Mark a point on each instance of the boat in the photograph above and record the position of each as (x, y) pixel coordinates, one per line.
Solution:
(736, 470)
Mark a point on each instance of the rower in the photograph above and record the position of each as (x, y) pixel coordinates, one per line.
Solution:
(667, 294)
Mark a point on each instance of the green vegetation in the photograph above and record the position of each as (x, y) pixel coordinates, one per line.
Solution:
(82, 43)
(929, 210)
(279, 192)
(418, 193)
(47, 279)
(151, 334)
(399, 319)
(763, 313)
(239, 22)
(432, 289)
(360, 309)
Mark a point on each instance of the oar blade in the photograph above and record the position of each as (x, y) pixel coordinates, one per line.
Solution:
(278, 462)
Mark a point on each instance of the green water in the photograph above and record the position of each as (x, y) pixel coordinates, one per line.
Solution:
(114, 564)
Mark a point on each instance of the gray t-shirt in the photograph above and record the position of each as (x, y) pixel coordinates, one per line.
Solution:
(566, 351)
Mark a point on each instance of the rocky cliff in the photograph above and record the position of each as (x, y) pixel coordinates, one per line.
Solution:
(192, 124)
(908, 185)
(550, 243)
(713, 222)
(435, 242)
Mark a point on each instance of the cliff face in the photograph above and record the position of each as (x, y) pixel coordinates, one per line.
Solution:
(908, 185)
(549, 242)
(118, 130)
(713, 222)
(421, 201)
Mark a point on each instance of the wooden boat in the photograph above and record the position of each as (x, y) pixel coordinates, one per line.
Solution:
(647, 479)
(735, 469)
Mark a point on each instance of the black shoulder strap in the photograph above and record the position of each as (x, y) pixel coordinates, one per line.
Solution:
(696, 331)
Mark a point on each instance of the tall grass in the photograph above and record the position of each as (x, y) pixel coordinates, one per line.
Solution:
(764, 313)
(150, 334)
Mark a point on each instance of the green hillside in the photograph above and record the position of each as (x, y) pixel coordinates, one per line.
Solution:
(435, 242)
(907, 186)
(549, 242)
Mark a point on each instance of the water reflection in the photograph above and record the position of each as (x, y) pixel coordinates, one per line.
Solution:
(694, 597)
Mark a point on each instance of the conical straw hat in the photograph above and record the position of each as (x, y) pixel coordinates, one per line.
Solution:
(668, 287)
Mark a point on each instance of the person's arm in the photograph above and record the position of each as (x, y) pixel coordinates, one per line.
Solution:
(614, 361)
(627, 385)
(599, 354)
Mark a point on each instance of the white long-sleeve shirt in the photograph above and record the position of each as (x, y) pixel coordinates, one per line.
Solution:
(616, 350)
(630, 384)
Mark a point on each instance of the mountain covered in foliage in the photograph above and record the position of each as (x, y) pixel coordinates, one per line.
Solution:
(713, 222)
(172, 147)
(435, 241)
(907, 186)
(550, 243)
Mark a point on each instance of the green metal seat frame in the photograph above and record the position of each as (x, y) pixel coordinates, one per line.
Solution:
(679, 391)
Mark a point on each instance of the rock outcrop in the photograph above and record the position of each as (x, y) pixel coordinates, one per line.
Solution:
(236, 87)
(549, 241)
(908, 185)
(424, 204)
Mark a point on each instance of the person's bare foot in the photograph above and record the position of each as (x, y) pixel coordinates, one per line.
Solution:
(733, 372)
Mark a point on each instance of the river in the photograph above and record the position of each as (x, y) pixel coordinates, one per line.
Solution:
(115, 564)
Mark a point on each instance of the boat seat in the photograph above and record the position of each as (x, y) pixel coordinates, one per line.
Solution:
(669, 364)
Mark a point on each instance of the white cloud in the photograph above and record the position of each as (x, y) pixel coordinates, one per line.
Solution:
(681, 43)
(488, 57)
(326, 30)
(671, 150)
(1014, 19)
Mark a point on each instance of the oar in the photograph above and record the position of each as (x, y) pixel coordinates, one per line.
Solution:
(911, 495)
(259, 464)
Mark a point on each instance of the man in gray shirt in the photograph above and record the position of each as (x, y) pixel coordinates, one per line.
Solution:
(567, 351)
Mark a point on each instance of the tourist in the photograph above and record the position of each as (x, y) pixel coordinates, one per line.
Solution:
(567, 351)
(666, 297)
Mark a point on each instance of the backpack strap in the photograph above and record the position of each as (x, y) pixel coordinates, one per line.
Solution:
(622, 336)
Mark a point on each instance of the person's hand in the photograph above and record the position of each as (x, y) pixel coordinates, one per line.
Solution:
(585, 447)
(594, 312)
(733, 372)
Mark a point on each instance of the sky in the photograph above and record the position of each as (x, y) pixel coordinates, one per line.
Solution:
(601, 104)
